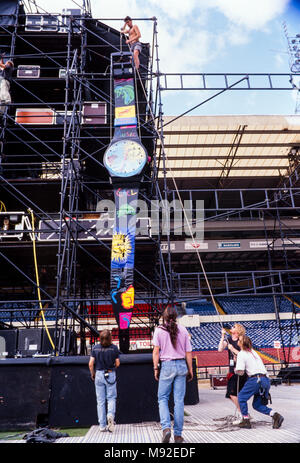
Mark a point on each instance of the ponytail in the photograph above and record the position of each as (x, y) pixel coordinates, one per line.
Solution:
(170, 324)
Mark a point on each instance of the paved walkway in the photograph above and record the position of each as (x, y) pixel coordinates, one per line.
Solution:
(210, 421)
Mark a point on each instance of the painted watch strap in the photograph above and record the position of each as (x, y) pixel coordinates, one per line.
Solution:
(123, 240)
(123, 254)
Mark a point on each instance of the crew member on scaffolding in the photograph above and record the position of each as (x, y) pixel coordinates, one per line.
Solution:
(5, 79)
(256, 386)
(133, 41)
(235, 382)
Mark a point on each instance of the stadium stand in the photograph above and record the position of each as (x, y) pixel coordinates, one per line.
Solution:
(105, 310)
(24, 312)
(214, 358)
(262, 332)
(242, 305)
(201, 307)
(136, 333)
(17, 312)
(205, 337)
(253, 305)
(295, 302)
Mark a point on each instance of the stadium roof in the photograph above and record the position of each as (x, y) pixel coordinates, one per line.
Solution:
(229, 146)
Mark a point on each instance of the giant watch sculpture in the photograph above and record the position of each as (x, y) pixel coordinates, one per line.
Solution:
(125, 160)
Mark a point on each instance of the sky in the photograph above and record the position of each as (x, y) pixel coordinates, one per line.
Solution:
(211, 36)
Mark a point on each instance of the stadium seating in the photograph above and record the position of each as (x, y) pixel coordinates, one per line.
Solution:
(259, 304)
(23, 312)
(17, 312)
(205, 337)
(201, 307)
(263, 333)
(213, 358)
(296, 299)
(241, 305)
(134, 333)
(105, 310)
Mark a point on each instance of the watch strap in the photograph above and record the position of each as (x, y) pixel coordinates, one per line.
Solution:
(124, 96)
(122, 255)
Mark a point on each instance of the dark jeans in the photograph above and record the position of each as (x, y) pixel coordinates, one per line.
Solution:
(251, 388)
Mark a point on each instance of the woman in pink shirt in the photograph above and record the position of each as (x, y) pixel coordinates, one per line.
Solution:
(173, 350)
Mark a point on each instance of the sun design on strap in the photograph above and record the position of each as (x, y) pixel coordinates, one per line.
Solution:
(127, 298)
(121, 247)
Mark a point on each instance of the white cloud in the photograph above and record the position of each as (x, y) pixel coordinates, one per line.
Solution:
(175, 9)
(186, 34)
(279, 60)
(193, 35)
(236, 35)
(252, 14)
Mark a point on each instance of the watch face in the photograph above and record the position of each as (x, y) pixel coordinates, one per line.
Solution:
(125, 158)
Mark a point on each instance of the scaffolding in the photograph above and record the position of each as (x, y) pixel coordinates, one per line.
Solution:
(53, 137)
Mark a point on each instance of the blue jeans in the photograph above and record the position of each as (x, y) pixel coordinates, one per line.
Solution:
(172, 372)
(251, 388)
(105, 392)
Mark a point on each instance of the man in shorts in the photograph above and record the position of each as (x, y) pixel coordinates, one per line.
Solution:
(133, 41)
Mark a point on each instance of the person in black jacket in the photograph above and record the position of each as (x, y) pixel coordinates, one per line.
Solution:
(103, 363)
(235, 382)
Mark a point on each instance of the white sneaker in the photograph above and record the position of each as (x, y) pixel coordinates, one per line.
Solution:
(102, 429)
(237, 420)
(110, 424)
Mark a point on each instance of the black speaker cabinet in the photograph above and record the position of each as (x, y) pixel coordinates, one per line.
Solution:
(8, 343)
(30, 341)
(68, 342)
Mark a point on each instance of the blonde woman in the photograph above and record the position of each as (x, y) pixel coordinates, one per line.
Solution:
(235, 382)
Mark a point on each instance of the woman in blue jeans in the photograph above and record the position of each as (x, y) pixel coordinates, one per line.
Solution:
(173, 350)
(257, 385)
(103, 363)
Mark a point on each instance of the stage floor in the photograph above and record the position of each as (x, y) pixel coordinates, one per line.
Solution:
(210, 422)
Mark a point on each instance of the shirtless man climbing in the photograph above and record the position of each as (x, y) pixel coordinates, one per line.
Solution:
(133, 41)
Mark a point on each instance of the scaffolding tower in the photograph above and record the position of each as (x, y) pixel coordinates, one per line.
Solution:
(53, 135)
